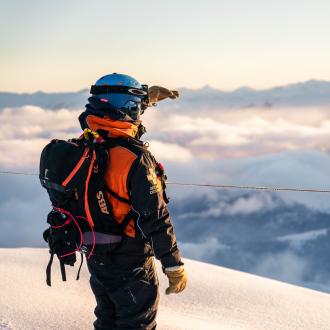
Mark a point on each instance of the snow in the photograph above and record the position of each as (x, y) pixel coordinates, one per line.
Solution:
(216, 298)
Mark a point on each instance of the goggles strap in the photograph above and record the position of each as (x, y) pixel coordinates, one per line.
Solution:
(107, 89)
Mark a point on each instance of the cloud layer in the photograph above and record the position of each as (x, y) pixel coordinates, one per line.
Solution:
(175, 136)
(287, 147)
(250, 147)
(244, 133)
(258, 233)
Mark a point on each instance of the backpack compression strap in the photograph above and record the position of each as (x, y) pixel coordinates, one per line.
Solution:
(49, 269)
(55, 186)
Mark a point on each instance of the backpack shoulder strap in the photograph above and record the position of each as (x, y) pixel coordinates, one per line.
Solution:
(112, 193)
(132, 144)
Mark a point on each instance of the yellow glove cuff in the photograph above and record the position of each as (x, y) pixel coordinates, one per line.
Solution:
(177, 280)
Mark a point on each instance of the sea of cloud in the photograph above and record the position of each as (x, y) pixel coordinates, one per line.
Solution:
(275, 147)
(242, 133)
(278, 147)
(181, 136)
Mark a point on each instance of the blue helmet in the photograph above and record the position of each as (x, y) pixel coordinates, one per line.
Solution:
(123, 93)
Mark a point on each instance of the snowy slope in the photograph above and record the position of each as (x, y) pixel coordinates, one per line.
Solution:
(216, 298)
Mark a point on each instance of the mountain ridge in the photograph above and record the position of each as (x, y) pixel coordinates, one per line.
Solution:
(309, 82)
(309, 93)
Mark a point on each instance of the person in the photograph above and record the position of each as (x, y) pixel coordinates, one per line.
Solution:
(123, 276)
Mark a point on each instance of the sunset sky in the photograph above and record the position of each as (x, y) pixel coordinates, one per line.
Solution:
(66, 45)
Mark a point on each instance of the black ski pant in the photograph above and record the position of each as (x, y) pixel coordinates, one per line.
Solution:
(126, 298)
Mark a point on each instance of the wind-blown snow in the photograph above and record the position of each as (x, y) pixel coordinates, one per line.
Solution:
(216, 298)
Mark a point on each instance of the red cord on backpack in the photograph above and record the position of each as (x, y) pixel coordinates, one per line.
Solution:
(64, 224)
(72, 218)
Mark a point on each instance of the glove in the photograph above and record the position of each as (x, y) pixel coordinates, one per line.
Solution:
(157, 93)
(177, 279)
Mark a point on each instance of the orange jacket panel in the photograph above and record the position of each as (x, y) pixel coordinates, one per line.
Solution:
(119, 165)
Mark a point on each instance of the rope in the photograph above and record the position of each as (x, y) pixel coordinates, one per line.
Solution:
(217, 186)
(249, 187)
(17, 173)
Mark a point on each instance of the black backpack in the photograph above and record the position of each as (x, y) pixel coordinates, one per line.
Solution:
(73, 174)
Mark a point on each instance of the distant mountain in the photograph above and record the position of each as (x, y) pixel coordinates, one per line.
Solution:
(303, 94)
(306, 94)
(70, 100)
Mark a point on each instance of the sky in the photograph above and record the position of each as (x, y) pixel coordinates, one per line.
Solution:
(66, 45)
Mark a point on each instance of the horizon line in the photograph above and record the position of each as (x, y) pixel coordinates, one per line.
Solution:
(205, 86)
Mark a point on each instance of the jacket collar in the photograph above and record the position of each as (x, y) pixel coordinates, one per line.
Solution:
(115, 128)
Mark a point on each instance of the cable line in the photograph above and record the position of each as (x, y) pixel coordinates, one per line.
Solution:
(218, 186)
(249, 187)
(17, 173)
